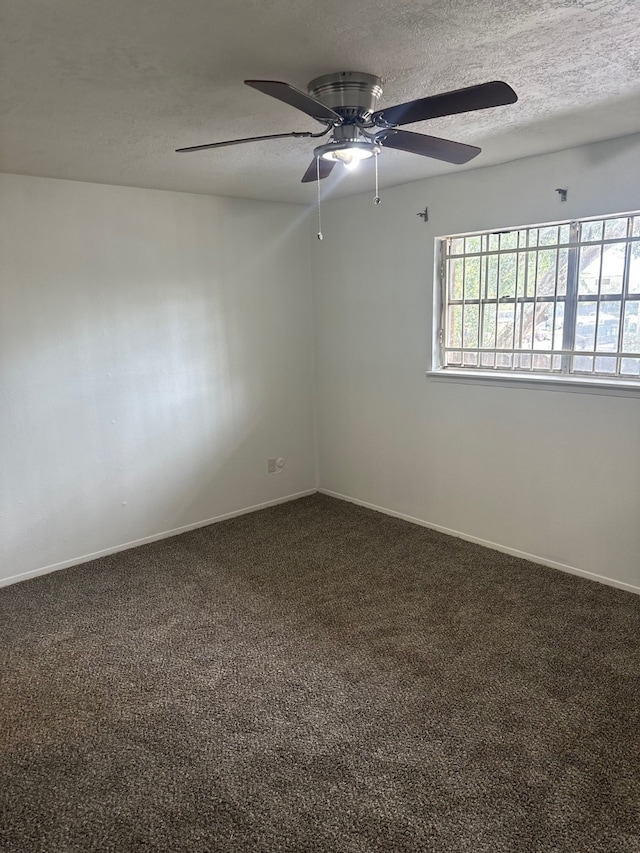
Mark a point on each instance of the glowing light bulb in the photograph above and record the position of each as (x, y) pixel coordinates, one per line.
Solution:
(350, 152)
(351, 157)
(353, 163)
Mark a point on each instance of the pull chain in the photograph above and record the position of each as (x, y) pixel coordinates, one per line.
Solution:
(377, 198)
(319, 213)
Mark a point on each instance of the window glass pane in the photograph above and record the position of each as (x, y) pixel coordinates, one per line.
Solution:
(527, 326)
(543, 329)
(615, 228)
(582, 364)
(524, 285)
(631, 327)
(630, 366)
(488, 359)
(565, 233)
(531, 274)
(472, 279)
(606, 365)
(509, 240)
(470, 331)
(546, 272)
(469, 359)
(454, 336)
(592, 231)
(548, 236)
(507, 284)
(504, 360)
(589, 269)
(492, 280)
(558, 326)
(494, 242)
(586, 326)
(472, 244)
(636, 226)
(489, 326)
(454, 359)
(612, 269)
(456, 278)
(457, 246)
(505, 327)
(634, 268)
(608, 327)
(541, 362)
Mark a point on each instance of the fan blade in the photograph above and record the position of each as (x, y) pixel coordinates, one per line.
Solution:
(495, 94)
(311, 174)
(428, 146)
(240, 141)
(295, 98)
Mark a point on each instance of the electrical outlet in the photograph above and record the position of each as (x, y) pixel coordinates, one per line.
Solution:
(271, 466)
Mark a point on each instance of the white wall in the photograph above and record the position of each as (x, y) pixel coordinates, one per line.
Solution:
(553, 474)
(155, 350)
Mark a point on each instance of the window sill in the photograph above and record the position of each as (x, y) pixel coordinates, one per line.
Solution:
(579, 384)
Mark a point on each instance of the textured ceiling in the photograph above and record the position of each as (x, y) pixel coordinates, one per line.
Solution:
(104, 90)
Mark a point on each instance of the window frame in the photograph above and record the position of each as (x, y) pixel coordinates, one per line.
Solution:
(567, 377)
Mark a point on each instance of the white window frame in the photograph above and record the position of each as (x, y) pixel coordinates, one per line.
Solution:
(564, 374)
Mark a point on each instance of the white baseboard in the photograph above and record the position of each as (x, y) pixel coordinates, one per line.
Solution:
(456, 533)
(533, 558)
(155, 537)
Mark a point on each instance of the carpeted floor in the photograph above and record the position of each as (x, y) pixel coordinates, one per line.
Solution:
(318, 677)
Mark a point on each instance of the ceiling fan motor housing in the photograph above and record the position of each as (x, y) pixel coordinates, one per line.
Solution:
(352, 94)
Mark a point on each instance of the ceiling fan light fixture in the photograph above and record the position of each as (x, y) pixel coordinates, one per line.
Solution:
(349, 153)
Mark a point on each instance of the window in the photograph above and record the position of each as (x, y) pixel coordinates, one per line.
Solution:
(559, 299)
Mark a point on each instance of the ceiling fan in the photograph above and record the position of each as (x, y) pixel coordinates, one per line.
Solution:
(345, 102)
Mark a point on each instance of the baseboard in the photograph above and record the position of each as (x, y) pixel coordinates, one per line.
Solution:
(155, 537)
(533, 558)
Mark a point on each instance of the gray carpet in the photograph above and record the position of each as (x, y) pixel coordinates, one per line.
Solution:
(318, 677)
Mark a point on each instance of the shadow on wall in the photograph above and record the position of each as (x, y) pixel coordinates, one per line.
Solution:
(123, 426)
